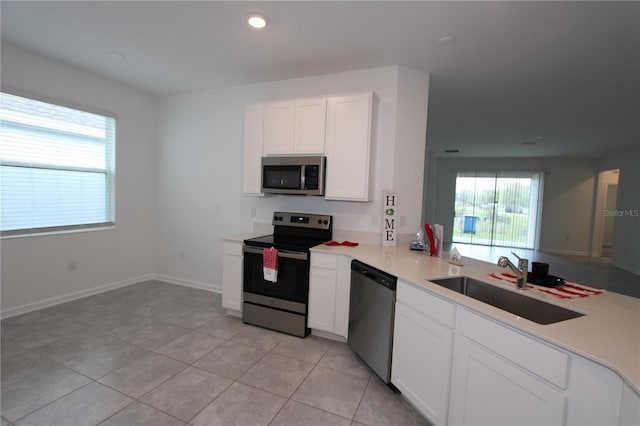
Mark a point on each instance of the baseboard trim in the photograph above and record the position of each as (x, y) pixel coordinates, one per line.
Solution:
(189, 283)
(565, 252)
(628, 268)
(52, 301)
(328, 335)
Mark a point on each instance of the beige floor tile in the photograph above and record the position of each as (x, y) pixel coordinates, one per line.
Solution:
(142, 375)
(86, 406)
(230, 360)
(382, 406)
(278, 374)
(138, 414)
(332, 391)
(187, 393)
(190, 347)
(298, 414)
(240, 405)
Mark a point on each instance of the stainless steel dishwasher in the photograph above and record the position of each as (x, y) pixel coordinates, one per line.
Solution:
(371, 312)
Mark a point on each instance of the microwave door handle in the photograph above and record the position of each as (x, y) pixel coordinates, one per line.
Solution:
(303, 177)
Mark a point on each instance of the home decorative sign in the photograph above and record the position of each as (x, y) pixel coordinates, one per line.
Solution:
(389, 218)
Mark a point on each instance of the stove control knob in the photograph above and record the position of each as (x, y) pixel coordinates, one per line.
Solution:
(326, 222)
(319, 221)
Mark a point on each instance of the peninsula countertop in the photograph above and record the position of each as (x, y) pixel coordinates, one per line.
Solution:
(608, 333)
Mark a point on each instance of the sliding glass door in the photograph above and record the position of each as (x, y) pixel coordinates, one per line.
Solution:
(498, 208)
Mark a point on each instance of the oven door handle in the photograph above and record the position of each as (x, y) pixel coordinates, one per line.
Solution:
(281, 253)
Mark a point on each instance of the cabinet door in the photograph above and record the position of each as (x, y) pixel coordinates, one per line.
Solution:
(421, 370)
(252, 149)
(486, 389)
(279, 125)
(322, 299)
(232, 282)
(343, 294)
(310, 120)
(348, 147)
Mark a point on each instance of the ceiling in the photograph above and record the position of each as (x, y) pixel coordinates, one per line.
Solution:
(563, 77)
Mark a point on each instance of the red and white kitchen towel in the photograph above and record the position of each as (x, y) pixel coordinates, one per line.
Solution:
(568, 291)
(344, 243)
(270, 264)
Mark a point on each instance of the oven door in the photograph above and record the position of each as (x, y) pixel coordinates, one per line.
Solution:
(290, 292)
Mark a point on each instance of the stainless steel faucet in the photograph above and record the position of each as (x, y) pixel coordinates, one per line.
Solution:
(521, 271)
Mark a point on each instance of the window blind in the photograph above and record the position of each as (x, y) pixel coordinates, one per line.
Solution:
(57, 167)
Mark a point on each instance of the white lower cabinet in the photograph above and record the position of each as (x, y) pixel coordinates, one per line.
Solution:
(329, 287)
(487, 389)
(232, 277)
(629, 407)
(422, 355)
(504, 377)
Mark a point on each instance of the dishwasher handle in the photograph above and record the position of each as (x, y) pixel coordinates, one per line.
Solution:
(376, 275)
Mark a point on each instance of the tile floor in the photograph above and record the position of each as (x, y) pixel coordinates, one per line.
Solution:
(160, 354)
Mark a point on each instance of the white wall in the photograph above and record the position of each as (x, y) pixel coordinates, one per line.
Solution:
(568, 201)
(35, 270)
(626, 235)
(199, 167)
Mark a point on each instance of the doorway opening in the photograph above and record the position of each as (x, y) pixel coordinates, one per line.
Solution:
(498, 208)
(605, 216)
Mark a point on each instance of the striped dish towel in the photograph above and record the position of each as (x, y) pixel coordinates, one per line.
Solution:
(568, 291)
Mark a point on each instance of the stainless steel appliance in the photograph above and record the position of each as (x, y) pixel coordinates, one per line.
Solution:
(371, 312)
(294, 175)
(282, 305)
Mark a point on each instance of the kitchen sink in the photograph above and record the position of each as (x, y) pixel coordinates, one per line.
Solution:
(527, 307)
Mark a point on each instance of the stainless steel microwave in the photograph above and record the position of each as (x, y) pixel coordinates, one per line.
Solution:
(293, 175)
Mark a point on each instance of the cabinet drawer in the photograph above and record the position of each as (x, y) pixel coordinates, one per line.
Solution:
(230, 247)
(426, 303)
(533, 355)
(322, 260)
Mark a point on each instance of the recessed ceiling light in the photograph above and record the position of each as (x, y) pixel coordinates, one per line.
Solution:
(446, 40)
(117, 55)
(257, 20)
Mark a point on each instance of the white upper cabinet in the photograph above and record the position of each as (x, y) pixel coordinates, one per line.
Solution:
(338, 127)
(311, 117)
(252, 150)
(279, 127)
(348, 147)
(295, 127)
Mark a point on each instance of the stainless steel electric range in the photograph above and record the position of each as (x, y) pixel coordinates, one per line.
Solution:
(282, 305)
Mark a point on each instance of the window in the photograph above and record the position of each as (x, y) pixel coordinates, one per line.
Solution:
(498, 208)
(57, 167)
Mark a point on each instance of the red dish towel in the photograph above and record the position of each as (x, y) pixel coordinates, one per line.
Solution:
(568, 291)
(270, 264)
(344, 243)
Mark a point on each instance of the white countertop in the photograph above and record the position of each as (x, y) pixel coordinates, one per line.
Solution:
(609, 333)
(241, 237)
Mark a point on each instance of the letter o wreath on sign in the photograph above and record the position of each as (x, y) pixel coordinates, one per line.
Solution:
(389, 209)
